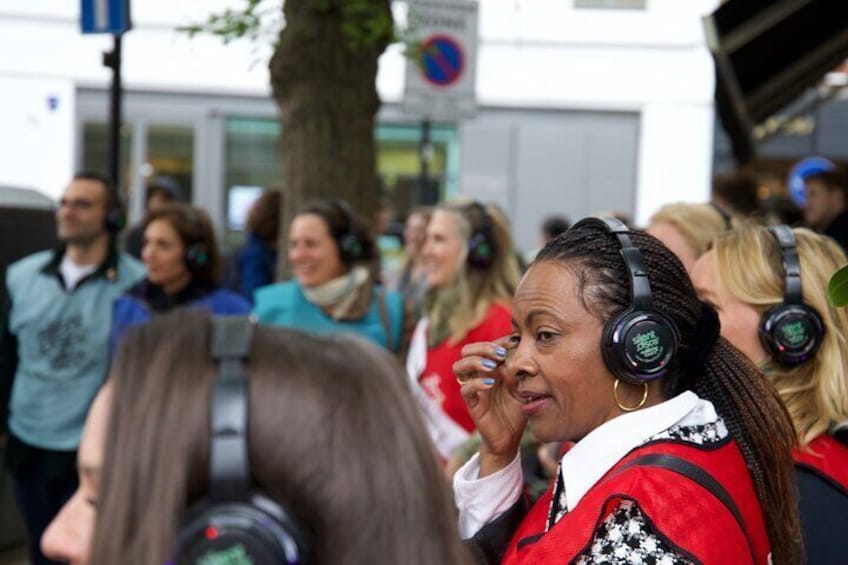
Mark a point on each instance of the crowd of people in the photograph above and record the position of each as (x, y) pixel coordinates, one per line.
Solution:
(673, 395)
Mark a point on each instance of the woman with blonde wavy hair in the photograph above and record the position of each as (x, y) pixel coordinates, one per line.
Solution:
(472, 272)
(688, 229)
(769, 287)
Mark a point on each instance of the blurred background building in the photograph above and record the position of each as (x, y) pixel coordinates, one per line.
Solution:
(585, 105)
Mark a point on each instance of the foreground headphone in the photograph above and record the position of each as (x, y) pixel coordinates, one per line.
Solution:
(481, 246)
(639, 344)
(791, 331)
(351, 248)
(235, 524)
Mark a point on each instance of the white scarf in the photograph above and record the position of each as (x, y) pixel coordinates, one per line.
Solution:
(332, 292)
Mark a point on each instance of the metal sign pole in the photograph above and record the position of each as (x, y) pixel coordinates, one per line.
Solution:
(112, 60)
(425, 192)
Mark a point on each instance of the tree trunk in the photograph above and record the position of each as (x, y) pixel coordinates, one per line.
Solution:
(323, 75)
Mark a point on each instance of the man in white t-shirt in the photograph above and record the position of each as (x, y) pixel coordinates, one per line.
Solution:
(54, 346)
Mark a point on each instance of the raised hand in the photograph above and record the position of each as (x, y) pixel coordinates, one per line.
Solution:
(489, 393)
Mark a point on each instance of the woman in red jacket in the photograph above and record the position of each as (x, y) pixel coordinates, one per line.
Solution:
(471, 272)
(775, 310)
(682, 450)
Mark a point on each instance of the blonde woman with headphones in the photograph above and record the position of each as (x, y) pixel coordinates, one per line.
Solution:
(769, 287)
(471, 273)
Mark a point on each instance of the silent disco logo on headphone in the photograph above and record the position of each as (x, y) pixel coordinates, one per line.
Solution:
(648, 348)
(235, 555)
(794, 333)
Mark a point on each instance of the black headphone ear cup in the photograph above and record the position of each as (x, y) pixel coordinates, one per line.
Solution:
(258, 531)
(114, 221)
(480, 251)
(791, 333)
(197, 256)
(639, 346)
(350, 247)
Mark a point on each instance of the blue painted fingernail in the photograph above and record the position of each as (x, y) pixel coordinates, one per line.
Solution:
(488, 363)
(500, 351)
(488, 382)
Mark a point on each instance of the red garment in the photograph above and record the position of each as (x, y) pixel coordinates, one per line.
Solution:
(827, 458)
(688, 516)
(438, 380)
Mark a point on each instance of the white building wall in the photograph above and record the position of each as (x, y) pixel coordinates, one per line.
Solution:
(533, 54)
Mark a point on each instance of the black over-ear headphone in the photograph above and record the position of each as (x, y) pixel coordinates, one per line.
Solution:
(481, 245)
(639, 344)
(351, 248)
(197, 253)
(791, 331)
(235, 524)
(115, 220)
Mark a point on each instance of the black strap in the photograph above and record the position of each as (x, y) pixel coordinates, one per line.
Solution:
(229, 474)
(792, 290)
(699, 476)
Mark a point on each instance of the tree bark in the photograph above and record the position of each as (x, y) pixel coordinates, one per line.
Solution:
(323, 77)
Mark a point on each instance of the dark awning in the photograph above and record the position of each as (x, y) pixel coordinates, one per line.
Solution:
(767, 52)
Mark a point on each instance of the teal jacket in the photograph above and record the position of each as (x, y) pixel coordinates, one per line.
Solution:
(59, 343)
(284, 304)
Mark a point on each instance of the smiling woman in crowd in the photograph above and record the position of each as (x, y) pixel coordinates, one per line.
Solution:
(330, 251)
(683, 449)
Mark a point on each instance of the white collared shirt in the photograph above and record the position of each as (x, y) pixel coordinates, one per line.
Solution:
(482, 500)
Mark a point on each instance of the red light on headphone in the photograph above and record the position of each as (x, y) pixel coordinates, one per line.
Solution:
(211, 533)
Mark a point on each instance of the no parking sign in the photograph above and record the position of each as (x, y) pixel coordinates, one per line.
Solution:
(441, 74)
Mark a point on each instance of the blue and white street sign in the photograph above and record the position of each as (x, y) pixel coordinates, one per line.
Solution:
(105, 16)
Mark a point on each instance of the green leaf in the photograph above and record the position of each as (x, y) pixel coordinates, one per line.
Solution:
(837, 288)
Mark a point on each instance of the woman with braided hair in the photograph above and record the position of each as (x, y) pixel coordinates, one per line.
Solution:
(759, 315)
(682, 449)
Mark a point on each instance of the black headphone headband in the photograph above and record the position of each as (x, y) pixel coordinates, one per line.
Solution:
(229, 468)
(235, 522)
(725, 217)
(792, 290)
(640, 286)
(640, 343)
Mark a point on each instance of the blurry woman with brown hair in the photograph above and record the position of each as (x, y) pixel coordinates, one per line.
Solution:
(183, 265)
(331, 250)
(333, 437)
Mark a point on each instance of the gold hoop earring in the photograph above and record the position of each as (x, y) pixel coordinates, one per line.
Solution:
(629, 408)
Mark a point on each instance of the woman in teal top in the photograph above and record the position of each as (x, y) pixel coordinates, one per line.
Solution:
(330, 252)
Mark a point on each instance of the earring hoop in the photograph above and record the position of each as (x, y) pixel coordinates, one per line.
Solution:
(629, 408)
